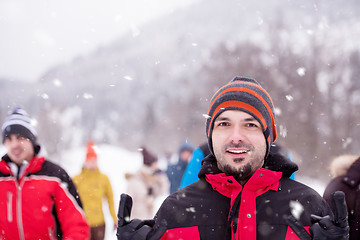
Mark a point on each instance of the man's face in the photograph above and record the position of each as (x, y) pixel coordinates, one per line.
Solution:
(239, 144)
(91, 164)
(186, 155)
(19, 148)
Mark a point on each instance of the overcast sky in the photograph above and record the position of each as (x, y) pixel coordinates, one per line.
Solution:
(38, 34)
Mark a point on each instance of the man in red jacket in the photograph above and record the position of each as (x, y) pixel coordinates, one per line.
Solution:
(38, 200)
(244, 190)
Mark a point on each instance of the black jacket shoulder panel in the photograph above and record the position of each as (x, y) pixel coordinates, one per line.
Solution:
(51, 169)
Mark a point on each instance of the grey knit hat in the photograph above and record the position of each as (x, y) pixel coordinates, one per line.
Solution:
(19, 122)
(245, 94)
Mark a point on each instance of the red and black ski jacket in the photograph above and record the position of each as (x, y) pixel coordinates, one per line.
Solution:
(41, 203)
(218, 207)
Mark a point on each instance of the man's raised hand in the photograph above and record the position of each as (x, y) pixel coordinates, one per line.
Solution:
(325, 227)
(135, 229)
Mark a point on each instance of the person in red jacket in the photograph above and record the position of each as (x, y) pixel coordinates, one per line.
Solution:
(244, 190)
(38, 199)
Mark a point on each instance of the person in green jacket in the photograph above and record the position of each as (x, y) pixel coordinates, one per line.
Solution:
(93, 186)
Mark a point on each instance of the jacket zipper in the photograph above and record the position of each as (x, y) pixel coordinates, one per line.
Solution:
(9, 207)
(19, 214)
(234, 217)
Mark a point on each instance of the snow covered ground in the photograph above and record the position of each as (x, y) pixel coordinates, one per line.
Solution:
(115, 162)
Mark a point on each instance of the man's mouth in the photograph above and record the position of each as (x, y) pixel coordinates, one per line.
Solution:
(237, 151)
(16, 151)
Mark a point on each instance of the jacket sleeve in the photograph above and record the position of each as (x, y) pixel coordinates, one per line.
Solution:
(110, 198)
(69, 209)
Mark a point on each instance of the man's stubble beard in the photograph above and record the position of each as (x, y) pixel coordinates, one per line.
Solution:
(241, 174)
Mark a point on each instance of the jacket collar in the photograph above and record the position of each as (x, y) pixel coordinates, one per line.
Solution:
(34, 165)
(243, 198)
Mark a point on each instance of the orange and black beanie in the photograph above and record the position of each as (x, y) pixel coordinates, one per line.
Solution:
(90, 152)
(245, 94)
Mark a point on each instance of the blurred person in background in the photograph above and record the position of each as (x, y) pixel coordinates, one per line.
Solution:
(38, 200)
(93, 187)
(147, 184)
(345, 171)
(176, 171)
(193, 168)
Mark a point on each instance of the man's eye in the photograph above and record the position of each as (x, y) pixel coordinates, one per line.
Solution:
(252, 125)
(223, 124)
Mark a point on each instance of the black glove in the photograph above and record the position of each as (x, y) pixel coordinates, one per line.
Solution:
(135, 229)
(324, 227)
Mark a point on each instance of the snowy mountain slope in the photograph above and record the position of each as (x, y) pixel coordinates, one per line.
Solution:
(153, 84)
(157, 67)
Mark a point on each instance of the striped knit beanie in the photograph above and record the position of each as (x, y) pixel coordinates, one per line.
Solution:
(245, 94)
(19, 122)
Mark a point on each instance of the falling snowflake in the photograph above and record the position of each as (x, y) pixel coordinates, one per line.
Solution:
(296, 209)
(87, 96)
(289, 98)
(190, 209)
(33, 122)
(127, 77)
(206, 116)
(57, 82)
(44, 96)
(301, 71)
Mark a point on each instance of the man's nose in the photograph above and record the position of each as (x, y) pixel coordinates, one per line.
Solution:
(15, 142)
(237, 135)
